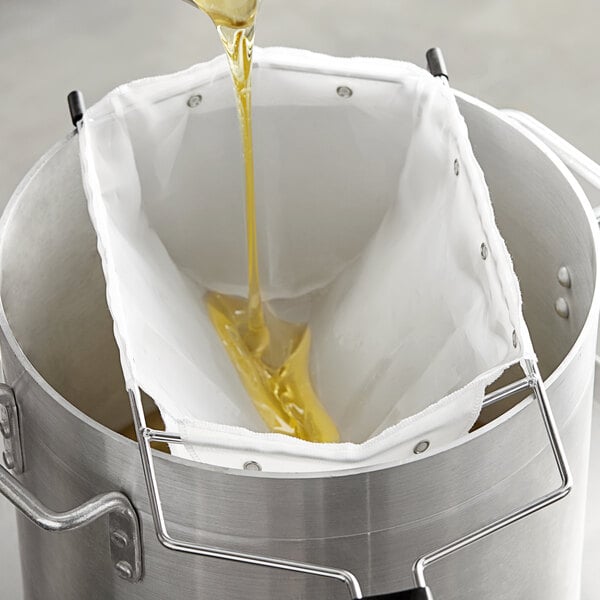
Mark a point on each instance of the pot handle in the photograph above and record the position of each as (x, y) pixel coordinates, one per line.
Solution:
(578, 162)
(123, 524)
(414, 594)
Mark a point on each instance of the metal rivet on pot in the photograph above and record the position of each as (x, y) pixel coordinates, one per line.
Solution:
(344, 91)
(124, 569)
(194, 100)
(515, 340)
(484, 251)
(4, 422)
(119, 538)
(252, 465)
(8, 459)
(564, 277)
(456, 167)
(421, 447)
(562, 308)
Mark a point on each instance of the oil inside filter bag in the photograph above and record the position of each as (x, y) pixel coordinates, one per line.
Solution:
(270, 355)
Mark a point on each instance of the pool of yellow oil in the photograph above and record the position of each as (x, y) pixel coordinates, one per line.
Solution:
(270, 355)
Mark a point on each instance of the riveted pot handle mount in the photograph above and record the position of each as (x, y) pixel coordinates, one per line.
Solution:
(123, 534)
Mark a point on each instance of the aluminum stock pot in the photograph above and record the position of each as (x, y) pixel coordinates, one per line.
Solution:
(72, 474)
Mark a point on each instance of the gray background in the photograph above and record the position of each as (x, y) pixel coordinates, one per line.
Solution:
(538, 56)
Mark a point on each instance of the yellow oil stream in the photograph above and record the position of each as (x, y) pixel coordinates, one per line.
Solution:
(270, 355)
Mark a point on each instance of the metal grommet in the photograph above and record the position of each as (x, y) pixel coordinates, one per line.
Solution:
(421, 447)
(252, 465)
(515, 340)
(561, 307)
(456, 167)
(484, 251)
(344, 91)
(194, 100)
(564, 277)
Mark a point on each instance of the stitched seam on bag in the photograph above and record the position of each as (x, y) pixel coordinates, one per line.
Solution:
(469, 158)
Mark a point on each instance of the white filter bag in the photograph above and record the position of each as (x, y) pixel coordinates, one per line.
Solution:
(375, 227)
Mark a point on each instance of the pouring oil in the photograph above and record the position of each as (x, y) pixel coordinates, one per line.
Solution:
(270, 355)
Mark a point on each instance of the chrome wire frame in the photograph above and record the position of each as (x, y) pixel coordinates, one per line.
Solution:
(532, 381)
(144, 436)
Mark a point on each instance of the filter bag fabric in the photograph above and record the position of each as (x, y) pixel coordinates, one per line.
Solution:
(375, 227)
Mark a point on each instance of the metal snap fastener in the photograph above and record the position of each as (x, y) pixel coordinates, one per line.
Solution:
(484, 251)
(421, 447)
(344, 91)
(194, 100)
(252, 465)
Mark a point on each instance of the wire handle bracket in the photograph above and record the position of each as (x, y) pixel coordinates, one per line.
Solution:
(532, 381)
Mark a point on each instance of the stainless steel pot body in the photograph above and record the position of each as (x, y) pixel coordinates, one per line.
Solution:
(60, 359)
